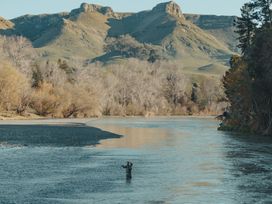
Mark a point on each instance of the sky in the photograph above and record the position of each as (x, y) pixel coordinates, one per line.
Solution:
(14, 8)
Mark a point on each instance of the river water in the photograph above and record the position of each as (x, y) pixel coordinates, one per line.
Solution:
(176, 160)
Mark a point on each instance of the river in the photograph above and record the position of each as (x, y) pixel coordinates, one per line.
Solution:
(176, 160)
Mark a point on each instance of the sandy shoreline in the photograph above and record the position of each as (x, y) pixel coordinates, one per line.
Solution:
(85, 121)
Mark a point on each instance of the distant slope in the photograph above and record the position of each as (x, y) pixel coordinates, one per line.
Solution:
(222, 27)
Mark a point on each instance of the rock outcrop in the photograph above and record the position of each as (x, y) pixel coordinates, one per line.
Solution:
(91, 8)
(5, 24)
(170, 8)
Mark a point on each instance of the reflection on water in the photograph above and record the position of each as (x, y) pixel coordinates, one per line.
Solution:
(133, 137)
(176, 160)
(251, 166)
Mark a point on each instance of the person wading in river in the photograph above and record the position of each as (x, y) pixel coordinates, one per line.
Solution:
(128, 168)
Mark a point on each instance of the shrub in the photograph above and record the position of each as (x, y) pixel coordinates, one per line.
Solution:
(14, 89)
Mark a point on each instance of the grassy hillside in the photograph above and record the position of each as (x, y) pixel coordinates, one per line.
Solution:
(222, 27)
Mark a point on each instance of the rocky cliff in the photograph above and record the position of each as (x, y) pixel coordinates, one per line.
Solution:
(5, 24)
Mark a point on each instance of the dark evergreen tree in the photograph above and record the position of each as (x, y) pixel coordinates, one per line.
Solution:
(195, 91)
(246, 26)
(264, 10)
(260, 67)
(248, 83)
(37, 77)
(152, 56)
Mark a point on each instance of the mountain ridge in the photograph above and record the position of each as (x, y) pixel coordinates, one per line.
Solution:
(86, 31)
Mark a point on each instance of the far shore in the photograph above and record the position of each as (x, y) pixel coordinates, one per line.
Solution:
(83, 121)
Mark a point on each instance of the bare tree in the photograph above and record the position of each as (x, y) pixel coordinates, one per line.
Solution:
(20, 52)
(14, 89)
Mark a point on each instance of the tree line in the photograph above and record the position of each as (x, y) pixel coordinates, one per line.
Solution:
(63, 89)
(248, 83)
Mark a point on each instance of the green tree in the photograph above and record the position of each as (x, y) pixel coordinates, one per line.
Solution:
(246, 26)
(237, 85)
(248, 83)
(195, 92)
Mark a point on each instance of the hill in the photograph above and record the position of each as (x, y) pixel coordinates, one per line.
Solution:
(166, 27)
(97, 33)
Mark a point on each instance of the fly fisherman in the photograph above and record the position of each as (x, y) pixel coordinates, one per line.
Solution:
(128, 168)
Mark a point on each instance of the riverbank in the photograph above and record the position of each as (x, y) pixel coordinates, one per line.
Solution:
(9, 117)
